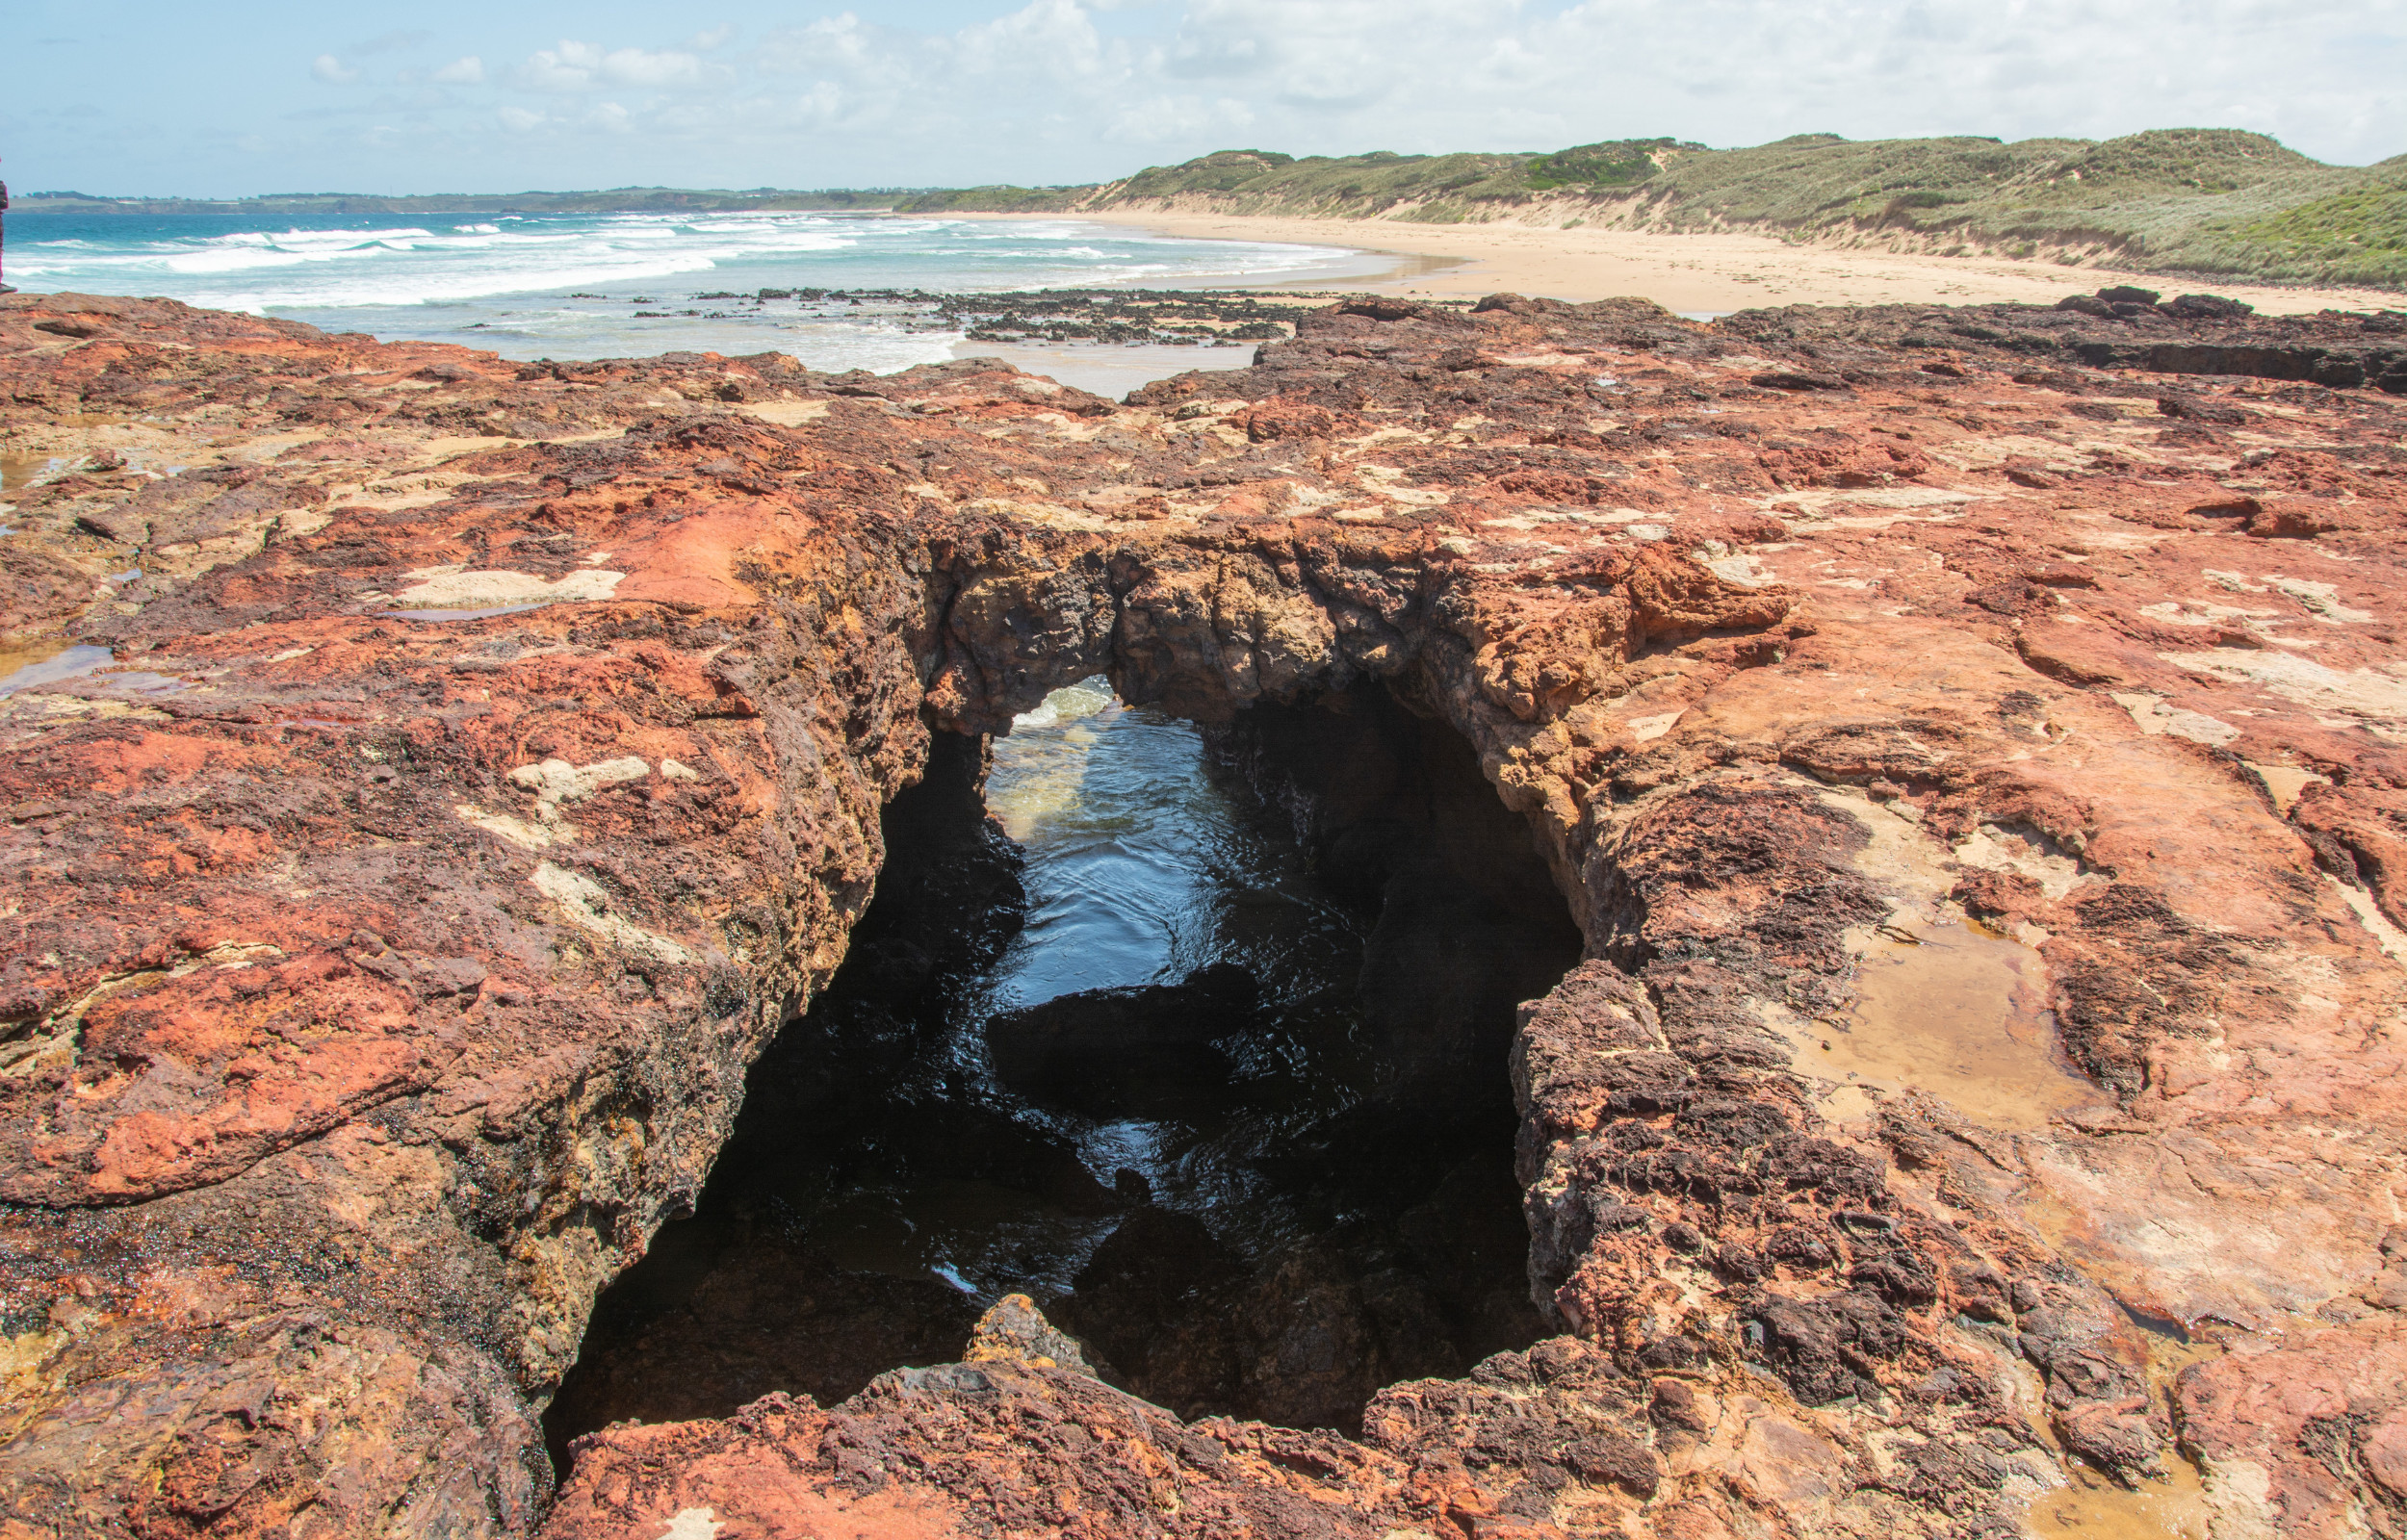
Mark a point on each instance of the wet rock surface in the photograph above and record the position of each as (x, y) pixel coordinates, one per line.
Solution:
(489, 760)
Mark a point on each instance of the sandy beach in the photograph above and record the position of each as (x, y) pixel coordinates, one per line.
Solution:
(1701, 274)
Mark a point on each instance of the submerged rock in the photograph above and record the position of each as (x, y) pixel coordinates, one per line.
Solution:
(1143, 1052)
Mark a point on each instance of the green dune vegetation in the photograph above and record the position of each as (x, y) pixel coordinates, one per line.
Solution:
(2215, 202)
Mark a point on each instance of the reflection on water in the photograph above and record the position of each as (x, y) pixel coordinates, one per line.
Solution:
(18, 472)
(48, 663)
(1141, 867)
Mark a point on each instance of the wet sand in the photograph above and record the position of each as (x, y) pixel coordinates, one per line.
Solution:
(1698, 275)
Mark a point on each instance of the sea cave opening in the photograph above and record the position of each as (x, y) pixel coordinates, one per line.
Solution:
(1196, 1033)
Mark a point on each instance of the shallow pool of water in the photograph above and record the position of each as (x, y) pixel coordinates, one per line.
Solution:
(1954, 1011)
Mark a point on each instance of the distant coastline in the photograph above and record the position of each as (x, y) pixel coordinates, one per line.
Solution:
(2203, 205)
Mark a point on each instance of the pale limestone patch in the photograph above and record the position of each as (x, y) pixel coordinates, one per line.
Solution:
(2388, 937)
(457, 588)
(294, 522)
(517, 831)
(2285, 782)
(555, 780)
(1229, 405)
(1531, 518)
(2322, 598)
(1990, 452)
(673, 771)
(1385, 435)
(1647, 728)
(1382, 479)
(691, 1524)
(1048, 515)
(2025, 853)
(585, 905)
(1849, 509)
(1742, 568)
(2157, 718)
(2206, 612)
(786, 414)
(408, 489)
(2239, 1499)
(2358, 692)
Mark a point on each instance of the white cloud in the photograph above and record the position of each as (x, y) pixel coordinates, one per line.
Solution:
(633, 66)
(716, 37)
(329, 69)
(568, 67)
(583, 66)
(518, 120)
(468, 71)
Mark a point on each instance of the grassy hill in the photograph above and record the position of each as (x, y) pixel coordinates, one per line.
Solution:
(2213, 202)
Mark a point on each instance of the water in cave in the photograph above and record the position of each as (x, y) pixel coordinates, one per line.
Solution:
(1196, 1035)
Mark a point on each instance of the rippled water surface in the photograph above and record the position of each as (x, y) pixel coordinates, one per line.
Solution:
(1142, 866)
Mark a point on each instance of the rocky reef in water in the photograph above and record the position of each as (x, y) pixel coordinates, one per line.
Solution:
(461, 769)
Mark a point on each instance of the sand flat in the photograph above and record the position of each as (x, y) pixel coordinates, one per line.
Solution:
(1697, 273)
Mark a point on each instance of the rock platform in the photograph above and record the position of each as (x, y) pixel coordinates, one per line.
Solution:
(1974, 763)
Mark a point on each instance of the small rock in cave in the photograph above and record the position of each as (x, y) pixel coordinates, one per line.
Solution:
(1195, 1034)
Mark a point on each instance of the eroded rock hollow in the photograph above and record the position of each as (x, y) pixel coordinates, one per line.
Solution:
(1267, 1188)
(1966, 750)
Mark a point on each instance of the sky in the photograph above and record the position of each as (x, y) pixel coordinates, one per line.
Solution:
(151, 97)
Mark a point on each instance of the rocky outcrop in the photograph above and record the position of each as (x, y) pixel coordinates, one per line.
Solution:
(1975, 785)
(2117, 328)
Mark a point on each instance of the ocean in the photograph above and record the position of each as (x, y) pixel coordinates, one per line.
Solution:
(612, 285)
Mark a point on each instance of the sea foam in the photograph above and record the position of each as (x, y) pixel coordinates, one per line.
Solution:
(569, 285)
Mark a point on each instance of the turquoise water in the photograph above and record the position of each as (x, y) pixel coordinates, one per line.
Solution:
(594, 286)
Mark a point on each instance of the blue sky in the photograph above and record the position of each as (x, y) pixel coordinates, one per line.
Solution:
(142, 96)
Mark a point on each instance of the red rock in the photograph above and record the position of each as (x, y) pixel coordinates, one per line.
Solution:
(375, 986)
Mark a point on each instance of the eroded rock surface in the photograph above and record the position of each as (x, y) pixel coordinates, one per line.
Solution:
(486, 759)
